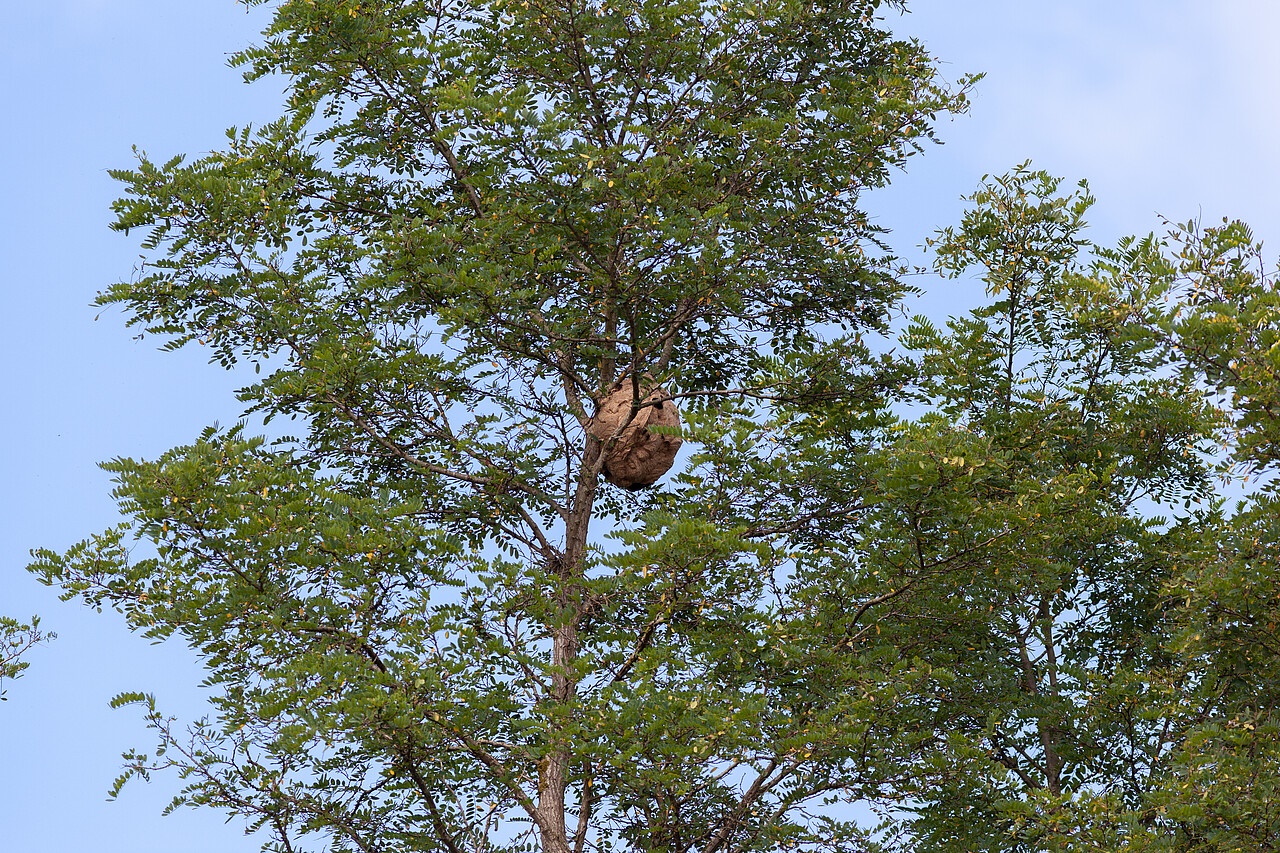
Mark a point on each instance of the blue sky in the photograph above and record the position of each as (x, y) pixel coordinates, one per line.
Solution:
(1168, 108)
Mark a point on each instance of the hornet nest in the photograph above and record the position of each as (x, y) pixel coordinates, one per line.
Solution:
(637, 457)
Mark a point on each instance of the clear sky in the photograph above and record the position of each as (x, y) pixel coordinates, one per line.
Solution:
(1169, 107)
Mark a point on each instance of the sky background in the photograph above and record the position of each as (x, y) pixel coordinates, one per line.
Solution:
(1168, 108)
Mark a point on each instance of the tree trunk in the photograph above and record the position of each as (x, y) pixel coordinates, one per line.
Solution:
(553, 770)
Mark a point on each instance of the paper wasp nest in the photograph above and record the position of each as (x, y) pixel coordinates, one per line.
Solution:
(638, 457)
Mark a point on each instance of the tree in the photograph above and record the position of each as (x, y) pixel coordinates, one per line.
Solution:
(430, 624)
(1108, 678)
(986, 585)
(16, 639)
(1220, 789)
(1052, 442)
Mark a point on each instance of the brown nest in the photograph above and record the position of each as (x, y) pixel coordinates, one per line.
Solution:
(637, 458)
